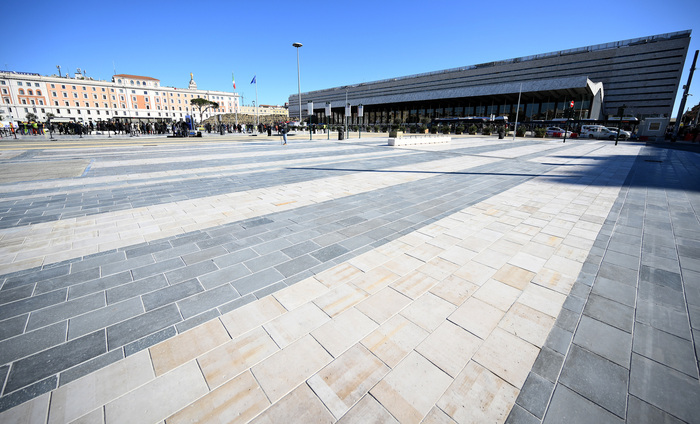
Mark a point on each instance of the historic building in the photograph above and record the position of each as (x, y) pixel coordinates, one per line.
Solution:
(640, 75)
(125, 97)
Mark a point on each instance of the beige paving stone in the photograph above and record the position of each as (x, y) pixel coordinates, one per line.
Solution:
(425, 252)
(507, 356)
(419, 237)
(87, 393)
(529, 324)
(547, 239)
(569, 252)
(31, 412)
(368, 410)
(554, 280)
(383, 305)
(478, 396)
(295, 324)
(96, 416)
(394, 339)
(477, 317)
(563, 265)
(475, 244)
(403, 264)
(411, 389)
(506, 246)
(374, 280)
(444, 241)
(543, 299)
(449, 347)
(414, 284)
(457, 255)
(439, 268)
(340, 298)
(291, 366)
(475, 273)
(159, 398)
(454, 289)
(237, 401)
(394, 248)
(497, 294)
(514, 276)
(252, 315)
(230, 359)
(299, 293)
(184, 347)
(437, 416)
(343, 331)
(428, 311)
(347, 379)
(301, 405)
(369, 260)
(527, 261)
(339, 274)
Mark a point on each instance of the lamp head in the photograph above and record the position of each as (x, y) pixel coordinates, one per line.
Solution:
(297, 45)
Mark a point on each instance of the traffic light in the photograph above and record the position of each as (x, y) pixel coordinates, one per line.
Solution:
(571, 105)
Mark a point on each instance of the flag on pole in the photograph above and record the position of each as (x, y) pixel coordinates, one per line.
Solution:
(234, 80)
(253, 82)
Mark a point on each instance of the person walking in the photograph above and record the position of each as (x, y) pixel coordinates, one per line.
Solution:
(283, 130)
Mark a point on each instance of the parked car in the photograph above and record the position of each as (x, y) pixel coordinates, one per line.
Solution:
(592, 131)
(623, 134)
(557, 132)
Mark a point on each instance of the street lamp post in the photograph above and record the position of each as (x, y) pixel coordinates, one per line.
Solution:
(297, 45)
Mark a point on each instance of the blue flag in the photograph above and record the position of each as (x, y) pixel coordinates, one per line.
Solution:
(253, 82)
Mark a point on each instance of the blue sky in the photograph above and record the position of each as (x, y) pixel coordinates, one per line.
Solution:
(344, 42)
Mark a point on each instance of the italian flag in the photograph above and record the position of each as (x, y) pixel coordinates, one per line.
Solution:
(234, 81)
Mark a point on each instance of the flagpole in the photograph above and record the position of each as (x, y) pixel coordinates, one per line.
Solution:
(233, 79)
(257, 120)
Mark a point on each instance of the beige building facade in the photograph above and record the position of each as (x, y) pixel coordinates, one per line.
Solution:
(126, 97)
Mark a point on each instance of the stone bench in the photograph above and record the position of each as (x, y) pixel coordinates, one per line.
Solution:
(410, 140)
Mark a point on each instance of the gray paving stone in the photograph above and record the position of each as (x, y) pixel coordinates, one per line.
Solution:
(189, 238)
(223, 276)
(197, 320)
(640, 412)
(174, 252)
(548, 364)
(665, 388)
(142, 325)
(618, 273)
(610, 312)
(18, 293)
(171, 294)
(65, 310)
(98, 285)
(147, 249)
(665, 348)
(203, 255)
(558, 340)
(263, 262)
(604, 340)
(157, 268)
(33, 277)
(237, 303)
(13, 326)
(215, 241)
(33, 303)
(621, 259)
(616, 291)
(518, 415)
(32, 342)
(534, 395)
(149, 341)
(271, 246)
(660, 263)
(135, 288)
(66, 280)
(97, 261)
(567, 320)
(27, 393)
(129, 264)
(4, 370)
(297, 265)
(54, 360)
(257, 281)
(569, 407)
(235, 258)
(692, 264)
(104, 317)
(269, 289)
(87, 367)
(597, 379)
(192, 271)
(304, 247)
(574, 304)
(195, 305)
(664, 318)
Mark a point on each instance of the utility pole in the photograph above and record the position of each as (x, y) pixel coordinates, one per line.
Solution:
(685, 97)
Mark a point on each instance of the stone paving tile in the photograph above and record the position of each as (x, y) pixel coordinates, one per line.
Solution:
(301, 403)
(394, 339)
(343, 331)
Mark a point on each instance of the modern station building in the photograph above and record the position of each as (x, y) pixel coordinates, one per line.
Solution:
(641, 75)
(126, 97)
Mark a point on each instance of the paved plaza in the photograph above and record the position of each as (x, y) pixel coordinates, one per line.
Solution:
(234, 279)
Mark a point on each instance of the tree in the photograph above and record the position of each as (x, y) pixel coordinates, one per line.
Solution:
(203, 105)
(31, 117)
